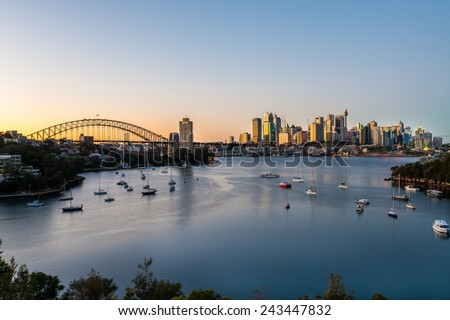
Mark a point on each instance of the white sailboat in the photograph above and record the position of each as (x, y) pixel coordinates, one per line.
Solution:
(401, 197)
(311, 190)
(343, 185)
(171, 181)
(410, 205)
(300, 178)
(100, 191)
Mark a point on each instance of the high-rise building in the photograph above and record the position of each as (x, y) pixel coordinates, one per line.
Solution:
(328, 128)
(284, 138)
(268, 128)
(256, 130)
(174, 140)
(316, 131)
(244, 137)
(437, 142)
(187, 134)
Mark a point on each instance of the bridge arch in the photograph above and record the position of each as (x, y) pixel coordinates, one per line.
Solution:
(96, 125)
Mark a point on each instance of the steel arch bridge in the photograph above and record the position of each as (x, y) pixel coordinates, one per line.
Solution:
(100, 129)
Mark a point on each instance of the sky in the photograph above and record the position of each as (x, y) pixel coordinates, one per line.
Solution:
(223, 62)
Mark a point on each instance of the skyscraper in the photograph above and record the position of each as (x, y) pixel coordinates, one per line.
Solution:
(269, 127)
(186, 134)
(256, 130)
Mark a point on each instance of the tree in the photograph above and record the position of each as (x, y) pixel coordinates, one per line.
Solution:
(378, 296)
(336, 289)
(207, 294)
(16, 283)
(94, 287)
(146, 287)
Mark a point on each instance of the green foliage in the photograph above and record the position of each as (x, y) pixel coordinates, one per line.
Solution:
(94, 287)
(206, 294)
(146, 287)
(336, 289)
(437, 170)
(16, 283)
(378, 296)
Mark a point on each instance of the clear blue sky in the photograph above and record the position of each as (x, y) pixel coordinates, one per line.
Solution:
(223, 62)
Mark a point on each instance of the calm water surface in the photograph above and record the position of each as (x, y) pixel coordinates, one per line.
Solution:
(226, 228)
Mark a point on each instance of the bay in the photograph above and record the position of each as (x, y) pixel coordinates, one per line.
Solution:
(227, 229)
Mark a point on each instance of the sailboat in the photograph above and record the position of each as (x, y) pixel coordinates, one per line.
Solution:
(146, 190)
(66, 196)
(401, 197)
(72, 207)
(392, 213)
(109, 198)
(343, 185)
(287, 205)
(100, 191)
(171, 181)
(299, 179)
(410, 205)
(311, 190)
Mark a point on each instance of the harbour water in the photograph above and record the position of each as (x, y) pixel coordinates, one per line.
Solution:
(227, 229)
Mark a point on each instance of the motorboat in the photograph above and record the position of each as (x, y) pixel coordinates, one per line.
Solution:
(359, 207)
(362, 201)
(411, 188)
(129, 188)
(35, 203)
(288, 205)
(270, 175)
(172, 188)
(285, 185)
(121, 183)
(441, 226)
(298, 179)
(435, 193)
(164, 170)
(142, 176)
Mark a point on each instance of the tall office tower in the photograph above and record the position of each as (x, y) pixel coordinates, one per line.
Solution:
(256, 130)
(186, 134)
(277, 125)
(328, 128)
(316, 131)
(372, 124)
(174, 140)
(268, 128)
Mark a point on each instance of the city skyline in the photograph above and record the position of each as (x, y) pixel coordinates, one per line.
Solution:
(223, 63)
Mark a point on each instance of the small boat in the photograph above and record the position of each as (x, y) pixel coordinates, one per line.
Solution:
(310, 191)
(66, 196)
(392, 213)
(142, 176)
(121, 183)
(109, 199)
(342, 185)
(117, 172)
(441, 226)
(285, 185)
(130, 188)
(149, 191)
(35, 203)
(171, 181)
(298, 179)
(362, 201)
(172, 188)
(410, 205)
(288, 205)
(359, 207)
(100, 192)
(411, 188)
(401, 197)
(270, 175)
(435, 193)
(73, 207)
(164, 170)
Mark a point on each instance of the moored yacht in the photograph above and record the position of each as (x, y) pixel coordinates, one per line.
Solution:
(435, 193)
(441, 226)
